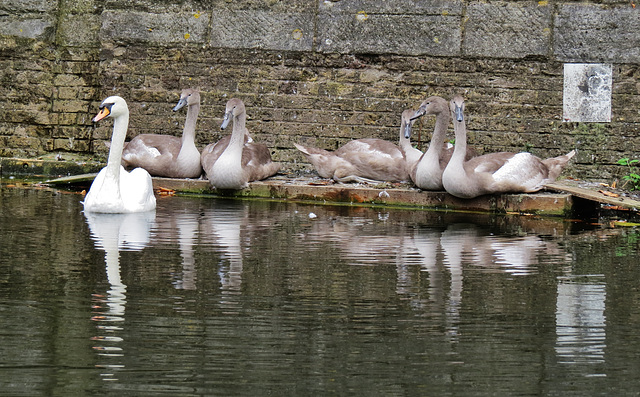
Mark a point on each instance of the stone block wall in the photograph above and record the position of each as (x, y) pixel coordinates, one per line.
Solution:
(319, 72)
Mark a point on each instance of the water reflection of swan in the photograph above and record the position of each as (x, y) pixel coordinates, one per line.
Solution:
(515, 255)
(113, 233)
(178, 224)
(188, 225)
(223, 225)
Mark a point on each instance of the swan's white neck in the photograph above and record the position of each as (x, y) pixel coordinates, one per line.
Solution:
(120, 124)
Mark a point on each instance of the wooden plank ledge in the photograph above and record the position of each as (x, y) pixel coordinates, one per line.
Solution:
(589, 191)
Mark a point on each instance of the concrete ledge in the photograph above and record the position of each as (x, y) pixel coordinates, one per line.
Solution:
(45, 167)
(557, 204)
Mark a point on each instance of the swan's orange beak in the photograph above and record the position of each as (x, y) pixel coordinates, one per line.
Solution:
(104, 112)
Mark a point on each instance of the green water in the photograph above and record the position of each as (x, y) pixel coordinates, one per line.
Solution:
(215, 297)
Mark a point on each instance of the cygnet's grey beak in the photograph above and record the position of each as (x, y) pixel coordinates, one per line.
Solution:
(458, 113)
(227, 119)
(180, 105)
(419, 113)
(407, 129)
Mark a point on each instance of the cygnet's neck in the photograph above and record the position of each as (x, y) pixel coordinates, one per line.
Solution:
(189, 131)
(237, 134)
(439, 133)
(460, 149)
(405, 143)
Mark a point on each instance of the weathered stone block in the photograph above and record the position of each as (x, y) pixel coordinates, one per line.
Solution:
(30, 113)
(594, 33)
(385, 33)
(64, 118)
(165, 28)
(21, 6)
(77, 6)
(70, 144)
(262, 29)
(72, 92)
(507, 30)
(79, 30)
(69, 80)
(32, 28)
(424, 7)
(24, 142)
(70, 106)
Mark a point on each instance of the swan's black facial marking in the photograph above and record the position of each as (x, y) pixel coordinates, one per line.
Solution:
(108, 106)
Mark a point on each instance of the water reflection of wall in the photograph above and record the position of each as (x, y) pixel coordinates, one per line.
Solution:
(178, 225)
(440, 245)
(580, 320)
(583, 295)
(439, 242)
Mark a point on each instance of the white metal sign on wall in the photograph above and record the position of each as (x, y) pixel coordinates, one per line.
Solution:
(587, 92)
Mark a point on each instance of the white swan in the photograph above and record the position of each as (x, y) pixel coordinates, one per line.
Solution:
(166, 155)
(502, 172)
(114, 190)
(233, 164)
